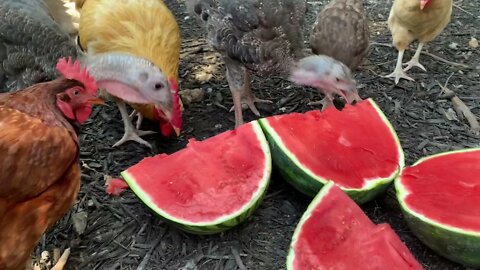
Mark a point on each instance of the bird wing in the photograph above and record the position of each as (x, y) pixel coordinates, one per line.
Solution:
(255, 32)
(30, 44)
(34, 155)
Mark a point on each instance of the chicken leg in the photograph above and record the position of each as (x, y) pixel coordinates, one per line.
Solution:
(326, 102)
(239, 82)
(414, 62)
(131, 133)
(399, 73)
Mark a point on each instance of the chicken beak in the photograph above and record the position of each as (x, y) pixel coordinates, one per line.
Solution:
(176, 130)
(96, 101)
(353, 96)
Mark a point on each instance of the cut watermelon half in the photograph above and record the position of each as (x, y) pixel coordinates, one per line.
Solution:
(357, 148)
(440, 198)
(335, 234)
(211, 185)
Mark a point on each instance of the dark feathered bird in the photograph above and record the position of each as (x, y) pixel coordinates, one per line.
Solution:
(31, 42)
(265, 37)
(341, 31)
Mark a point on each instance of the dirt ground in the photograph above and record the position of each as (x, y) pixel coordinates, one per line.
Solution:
(122, 233)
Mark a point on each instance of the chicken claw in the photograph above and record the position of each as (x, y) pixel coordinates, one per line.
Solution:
(326, 102)
(399, 73)
(414, 62)
(131, 133)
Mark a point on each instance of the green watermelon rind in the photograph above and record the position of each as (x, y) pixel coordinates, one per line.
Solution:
(306, 215)
(456, 244)
(222, 223)
(308, 183)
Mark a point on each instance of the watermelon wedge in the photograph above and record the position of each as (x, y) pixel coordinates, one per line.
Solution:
(357, 148)
(440, 198)
(211, 185)
(335, 234)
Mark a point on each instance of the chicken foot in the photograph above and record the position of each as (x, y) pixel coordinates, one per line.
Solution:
(326, 102)
(414, 62)
(131, 133)
(399, 73)
(239, 83)
(138, 124)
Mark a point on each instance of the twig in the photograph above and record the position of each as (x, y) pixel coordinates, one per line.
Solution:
(460, 107)
(462, 9)
(144, 263)
(426, 53)
(238, 260)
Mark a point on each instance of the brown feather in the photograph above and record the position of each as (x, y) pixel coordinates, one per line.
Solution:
(341, 31)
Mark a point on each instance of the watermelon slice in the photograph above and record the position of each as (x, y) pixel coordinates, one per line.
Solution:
(211, 185)
(357, 148)
(335, 234)
(440, 198)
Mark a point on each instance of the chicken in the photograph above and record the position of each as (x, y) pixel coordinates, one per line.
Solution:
(421, 20)
(341, 32)
(265, 37)
(147, 30)
(31, 42)
(40, 174)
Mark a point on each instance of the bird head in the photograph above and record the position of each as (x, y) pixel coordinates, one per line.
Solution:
(423, 3)
(172, 122)
(76, 102)
(327, 75)
(137, 80)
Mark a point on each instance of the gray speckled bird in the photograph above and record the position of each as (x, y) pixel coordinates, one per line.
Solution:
(265, 37)
(341, 31)
(31, 42)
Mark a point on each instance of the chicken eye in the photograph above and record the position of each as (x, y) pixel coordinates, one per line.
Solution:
(158, 86)
(75, 93)
(337, 79)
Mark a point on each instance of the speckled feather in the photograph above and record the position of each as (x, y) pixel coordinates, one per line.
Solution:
(40, 169)
(341, 31)
(265, 36)
(30, 44)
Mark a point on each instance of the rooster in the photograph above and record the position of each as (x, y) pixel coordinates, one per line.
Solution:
(40, 175)
(147, 30)
(264, 37)
(410, 20)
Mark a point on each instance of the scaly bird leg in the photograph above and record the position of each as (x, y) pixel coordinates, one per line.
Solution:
(138, 124)
(398, 73)
(239, 82)
(326, 102)
(414, 62)
(131, 134)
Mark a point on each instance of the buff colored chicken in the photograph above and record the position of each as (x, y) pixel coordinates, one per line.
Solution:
(145, 29)
(421, 20)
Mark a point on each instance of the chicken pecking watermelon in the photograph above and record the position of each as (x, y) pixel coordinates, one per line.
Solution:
(335, 234)
(440, 198)
(211, 185)
(357, 148)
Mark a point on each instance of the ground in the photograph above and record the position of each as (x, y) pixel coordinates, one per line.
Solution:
(122, 233)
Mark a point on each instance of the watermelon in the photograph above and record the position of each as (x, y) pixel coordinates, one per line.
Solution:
(335, 234)
(209, 186)
(440, 198)
(357, 148)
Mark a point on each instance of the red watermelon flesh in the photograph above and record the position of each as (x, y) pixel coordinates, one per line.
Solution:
(208, 179)
(446, 189)
(355, 154)
(334, 233)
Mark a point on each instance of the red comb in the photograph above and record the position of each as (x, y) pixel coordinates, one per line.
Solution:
(74, 71)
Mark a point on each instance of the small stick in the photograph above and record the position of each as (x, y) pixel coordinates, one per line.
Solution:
(461, 107)
(462, 9)
(426, 53)
(62, 261)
